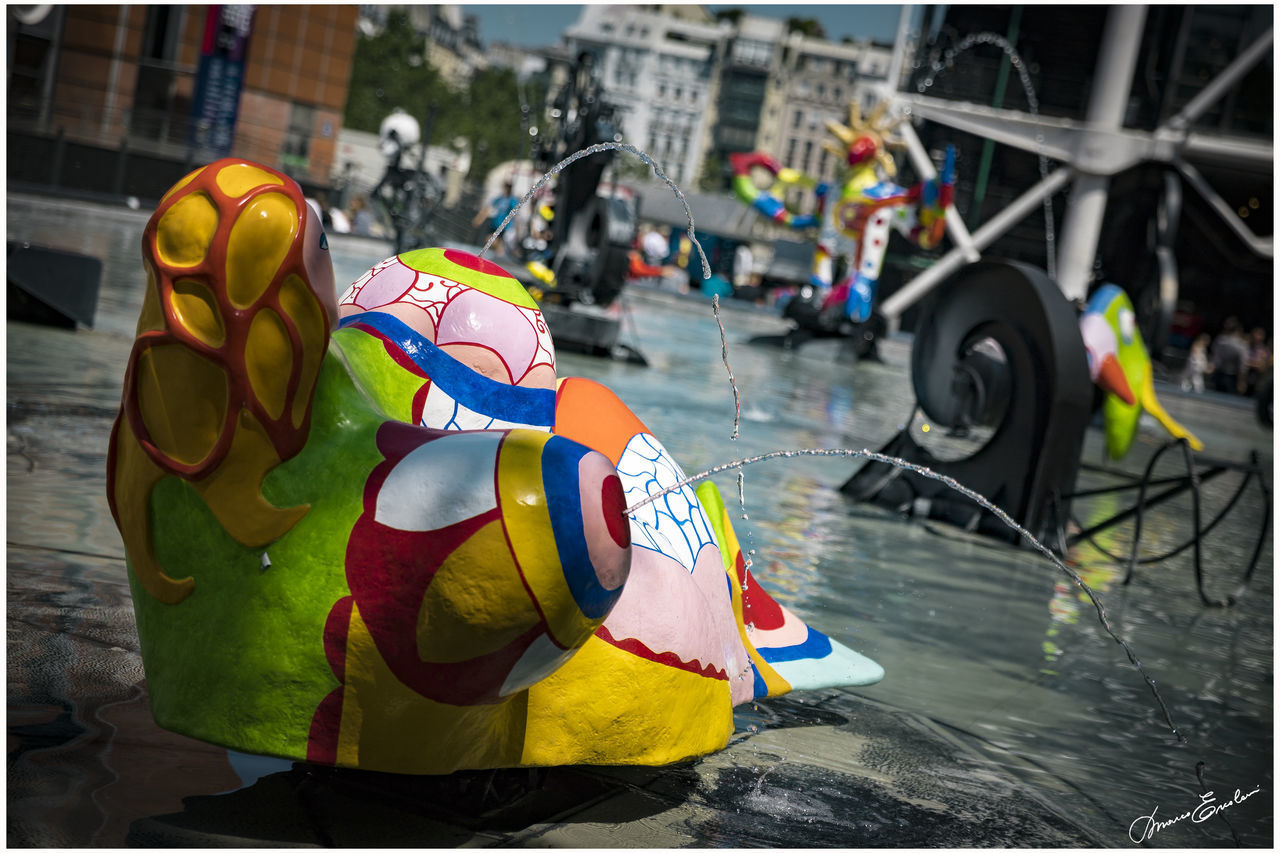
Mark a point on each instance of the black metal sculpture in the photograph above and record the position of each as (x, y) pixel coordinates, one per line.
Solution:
(406, 196)
(998, 347)
(589, 250)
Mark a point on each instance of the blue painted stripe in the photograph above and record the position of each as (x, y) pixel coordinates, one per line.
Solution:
(761, 689)
(560, 479)
(817, 645)
(532, 406)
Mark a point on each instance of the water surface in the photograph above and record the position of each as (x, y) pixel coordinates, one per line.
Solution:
(1002, 694)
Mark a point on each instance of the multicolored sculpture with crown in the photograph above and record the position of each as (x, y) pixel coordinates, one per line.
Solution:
(863, 208)
(380, 532)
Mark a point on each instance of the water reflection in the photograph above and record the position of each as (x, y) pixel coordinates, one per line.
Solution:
(1007, 715)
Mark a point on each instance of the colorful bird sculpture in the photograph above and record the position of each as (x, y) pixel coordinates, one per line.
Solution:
(1120, 364)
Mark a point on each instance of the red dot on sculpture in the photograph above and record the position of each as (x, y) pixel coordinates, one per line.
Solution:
(614, 503)
(472, 262)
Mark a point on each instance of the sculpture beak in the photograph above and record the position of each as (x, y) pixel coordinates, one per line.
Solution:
(1111, 379)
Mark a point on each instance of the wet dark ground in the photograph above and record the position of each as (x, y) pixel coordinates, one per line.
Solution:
(1007, 717)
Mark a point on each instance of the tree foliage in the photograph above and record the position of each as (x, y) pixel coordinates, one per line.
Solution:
(806, 26)
(733, 16)
(390, 70)
(714, 173)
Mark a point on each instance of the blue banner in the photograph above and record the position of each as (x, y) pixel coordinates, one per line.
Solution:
(220, 78)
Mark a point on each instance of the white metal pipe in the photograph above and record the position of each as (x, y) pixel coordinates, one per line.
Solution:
(1260, 245)
(991, 230)
(1080, 233)
(1112, 82)
(1218, 87)
(1117, 58)
(894, 77)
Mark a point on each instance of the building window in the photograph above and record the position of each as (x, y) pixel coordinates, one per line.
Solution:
(796, 118)
(157, 113)
(808, 153)
(679, 93)
(791, 153)
(31, 62)
(662, 90)
(295, 154)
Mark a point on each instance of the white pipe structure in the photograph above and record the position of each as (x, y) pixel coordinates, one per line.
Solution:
(896, 61)
(1112, 82)
(991, 230)
(1094, 149)
(1218, 87)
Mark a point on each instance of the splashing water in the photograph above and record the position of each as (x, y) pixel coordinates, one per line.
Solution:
(1033, 107)
(724, 354)
(737, 417)
(967, 492)
(598, 148)
(981, 38)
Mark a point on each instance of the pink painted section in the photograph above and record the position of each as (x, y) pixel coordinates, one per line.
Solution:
(713, 585)
(603, 520)
(319, 267)
(1099, 340)
(477, 318)
(667, 610)
(385, 286)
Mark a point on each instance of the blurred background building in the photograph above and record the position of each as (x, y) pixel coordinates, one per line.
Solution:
(658, 68)
(1224, 267)
(122, 99)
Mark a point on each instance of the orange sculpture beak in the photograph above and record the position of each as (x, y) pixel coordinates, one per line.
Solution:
(1111, 379)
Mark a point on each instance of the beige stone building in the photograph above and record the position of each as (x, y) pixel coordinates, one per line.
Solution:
(818, 81)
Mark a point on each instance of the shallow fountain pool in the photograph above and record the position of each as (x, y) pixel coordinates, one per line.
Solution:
(1007, 716)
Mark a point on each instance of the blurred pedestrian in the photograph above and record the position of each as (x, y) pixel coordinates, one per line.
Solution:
(361, 217)
(494, 213)
(1197, 365)
(743, 264)
(655, 245)
(1228, 353)
(1257, 360)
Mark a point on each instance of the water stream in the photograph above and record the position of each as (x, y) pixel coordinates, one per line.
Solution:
(979, 645)
(1033, 107)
